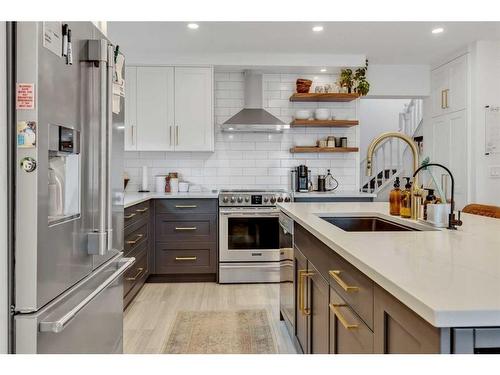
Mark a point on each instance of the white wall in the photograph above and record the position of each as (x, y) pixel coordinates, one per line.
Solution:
(485, 79)
(377, 116)
(403, 81)
(251, 160)
(3, 194)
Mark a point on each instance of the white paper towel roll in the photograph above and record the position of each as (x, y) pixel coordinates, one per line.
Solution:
(144, 178)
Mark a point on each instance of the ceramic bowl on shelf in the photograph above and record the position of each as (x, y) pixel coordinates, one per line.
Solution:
(303, 114)
(322, 114)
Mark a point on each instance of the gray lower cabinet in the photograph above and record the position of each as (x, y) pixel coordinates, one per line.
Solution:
(342, 311)
(185, 239)
(137, 244)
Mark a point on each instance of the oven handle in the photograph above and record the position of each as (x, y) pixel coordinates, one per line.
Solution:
(250, 213)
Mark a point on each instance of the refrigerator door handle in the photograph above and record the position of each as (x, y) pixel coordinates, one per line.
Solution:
(98, 54)
(109, 127)
(59, 325)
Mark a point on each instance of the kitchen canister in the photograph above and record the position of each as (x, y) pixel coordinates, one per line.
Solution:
(174, 185)
(160, 183)
(183, 187)
(437, 214)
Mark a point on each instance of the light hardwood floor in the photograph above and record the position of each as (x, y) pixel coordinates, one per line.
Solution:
(149, 318)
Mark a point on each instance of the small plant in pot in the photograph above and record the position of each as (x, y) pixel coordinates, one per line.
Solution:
(346, 79)
(362, 86)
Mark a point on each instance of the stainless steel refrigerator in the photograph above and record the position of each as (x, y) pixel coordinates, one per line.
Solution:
(67, 124)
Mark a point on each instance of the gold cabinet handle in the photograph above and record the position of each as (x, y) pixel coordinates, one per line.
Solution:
(302, 275)
(142, 209)
(442, 99)
(185, 228)
(133, 242)
(335, 274)
(334, 307)
(129, 216)
(185, 258)
(446, 98)
(186, 206)
(139, 271)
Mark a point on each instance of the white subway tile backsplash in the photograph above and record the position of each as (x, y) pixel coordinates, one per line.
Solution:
(255, 160)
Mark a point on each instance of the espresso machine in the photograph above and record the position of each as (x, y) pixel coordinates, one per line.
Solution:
(303, 179)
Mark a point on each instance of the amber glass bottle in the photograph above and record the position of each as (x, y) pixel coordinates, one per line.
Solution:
(405, 209)
(395, 199)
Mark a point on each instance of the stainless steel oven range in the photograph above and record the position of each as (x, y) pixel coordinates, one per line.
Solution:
(249, 236)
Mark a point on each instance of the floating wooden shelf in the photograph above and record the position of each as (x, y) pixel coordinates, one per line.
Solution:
(329, 97)
(310, 149)
(324, 123)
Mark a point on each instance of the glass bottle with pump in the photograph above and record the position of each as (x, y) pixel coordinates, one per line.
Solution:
(395, 198)
(405, 209)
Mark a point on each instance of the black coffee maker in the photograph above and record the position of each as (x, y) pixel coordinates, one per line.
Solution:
(302, 179)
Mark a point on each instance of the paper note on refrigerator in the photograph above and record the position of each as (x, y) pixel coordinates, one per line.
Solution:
(492, 130)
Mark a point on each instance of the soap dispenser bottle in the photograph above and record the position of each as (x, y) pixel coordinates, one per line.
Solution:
(405, 209)
(395, 198)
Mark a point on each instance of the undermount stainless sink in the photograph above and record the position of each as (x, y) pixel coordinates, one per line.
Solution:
(368, 224)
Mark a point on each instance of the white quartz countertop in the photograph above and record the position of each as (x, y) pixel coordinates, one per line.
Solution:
(334, 194)
(134, 198)
(449, 278)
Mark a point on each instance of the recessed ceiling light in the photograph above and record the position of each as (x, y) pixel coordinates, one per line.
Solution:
(193, 26)
(317, 29)
(437, 30)
(322, 70)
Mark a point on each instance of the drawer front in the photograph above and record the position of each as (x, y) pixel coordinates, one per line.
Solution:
(348, 333)
(350, 283)
(136, 237)
(186, 206)
(193, 228)
(185, 258)
(135, 213)
(138, 271)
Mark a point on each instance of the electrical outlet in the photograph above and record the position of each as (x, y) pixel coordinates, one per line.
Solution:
(495, 171)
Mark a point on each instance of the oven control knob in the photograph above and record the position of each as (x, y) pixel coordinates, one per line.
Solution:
(273, 200)
(233, 199)
(280, 199)
(287, 199)
(240, 199)
(266, 199)
(247, 199)
(225, 199)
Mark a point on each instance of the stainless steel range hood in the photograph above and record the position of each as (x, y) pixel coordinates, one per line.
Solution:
(253, 118)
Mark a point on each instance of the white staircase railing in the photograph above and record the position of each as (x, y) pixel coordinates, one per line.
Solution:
(388, 158)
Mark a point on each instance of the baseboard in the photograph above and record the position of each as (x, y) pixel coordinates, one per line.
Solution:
(183, 278)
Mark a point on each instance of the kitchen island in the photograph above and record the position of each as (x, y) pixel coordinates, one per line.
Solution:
(447, 278)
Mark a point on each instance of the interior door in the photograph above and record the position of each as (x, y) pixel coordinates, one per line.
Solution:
(193, 109)
(155, 108)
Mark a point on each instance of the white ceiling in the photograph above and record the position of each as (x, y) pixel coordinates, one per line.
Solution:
(381, 42)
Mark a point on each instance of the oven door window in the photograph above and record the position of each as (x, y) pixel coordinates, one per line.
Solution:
(253, 233)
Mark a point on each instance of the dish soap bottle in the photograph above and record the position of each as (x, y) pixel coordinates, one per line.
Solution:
(405, 209)
(429, 199)
(395, 199)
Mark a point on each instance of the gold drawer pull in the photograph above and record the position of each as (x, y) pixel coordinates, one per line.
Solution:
(142, 209)
(129, 216)
(186, 206)
(186, 258)
(302, 275)
(133, 242)
(185, 228)
(340, 317)
(139, 271)
(336, 276)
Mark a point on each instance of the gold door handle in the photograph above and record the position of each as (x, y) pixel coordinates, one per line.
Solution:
(133, 242)
(334, 307)
(185, 258)
(129, 216)
(335, 274)
(142, 209)
(302, 275)
(186, 206)
(185, 228)
(139, 271)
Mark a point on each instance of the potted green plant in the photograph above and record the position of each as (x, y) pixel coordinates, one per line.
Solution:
(346, 79)
(361, 85)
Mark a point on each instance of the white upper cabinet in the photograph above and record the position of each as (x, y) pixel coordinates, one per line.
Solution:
(169, 109)
(155, 108)
(130, 108)
(449, 87)
(194, 109)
